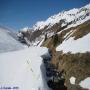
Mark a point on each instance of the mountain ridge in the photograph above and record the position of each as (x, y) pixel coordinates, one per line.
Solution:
(56, 24)
(61, 15)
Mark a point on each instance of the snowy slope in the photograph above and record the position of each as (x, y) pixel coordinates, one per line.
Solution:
(23, 69)
(8, 41)
(26, 29)
(75, 46)
(85, 83)
(57, 23)
(76, 16)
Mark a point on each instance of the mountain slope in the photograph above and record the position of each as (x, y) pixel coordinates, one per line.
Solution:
(67, 34)
(8, 40)
(75, 46)
(56, 23)
(74, 16)
(71, 54)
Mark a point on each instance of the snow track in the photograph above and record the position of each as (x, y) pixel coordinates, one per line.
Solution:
(23, 69)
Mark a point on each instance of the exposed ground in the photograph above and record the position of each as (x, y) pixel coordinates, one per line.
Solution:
(78, 64)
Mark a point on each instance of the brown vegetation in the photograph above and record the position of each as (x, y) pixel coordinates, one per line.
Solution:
(77, 65)
(82, 30)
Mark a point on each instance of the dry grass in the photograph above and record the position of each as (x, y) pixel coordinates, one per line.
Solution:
(77, 65)
(82, 30)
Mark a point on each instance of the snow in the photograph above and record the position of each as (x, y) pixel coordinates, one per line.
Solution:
(85, 83)
(40, 25)
(73, 11)
(72, 80)
(67, 19)
(50, 34)
(67, 16)
(69, 34)
(25, 29)
(20, 34)
(87, 6)
(78, 22)
(75, 46)
(23, 69)
(41, 42)
(8, 41)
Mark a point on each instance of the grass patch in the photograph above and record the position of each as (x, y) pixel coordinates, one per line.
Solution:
(77, 65)
(82, 30)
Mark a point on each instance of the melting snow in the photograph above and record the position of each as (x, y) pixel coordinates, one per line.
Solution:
(72, 80)
(75, 46)
(85, 83)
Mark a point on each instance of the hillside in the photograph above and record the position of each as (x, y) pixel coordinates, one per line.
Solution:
(8, 40)
(71, 54)
(56, 23)
(67, 34)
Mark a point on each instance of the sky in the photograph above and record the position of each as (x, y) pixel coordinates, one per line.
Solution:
(17, 14)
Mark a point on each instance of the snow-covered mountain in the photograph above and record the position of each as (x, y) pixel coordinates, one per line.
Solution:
(67, 34)
(74, 16)
(8, 40)
(56, 23)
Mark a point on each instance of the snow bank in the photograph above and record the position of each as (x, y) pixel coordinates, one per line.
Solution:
(75, 46)
(85, 83)
(22, 69)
